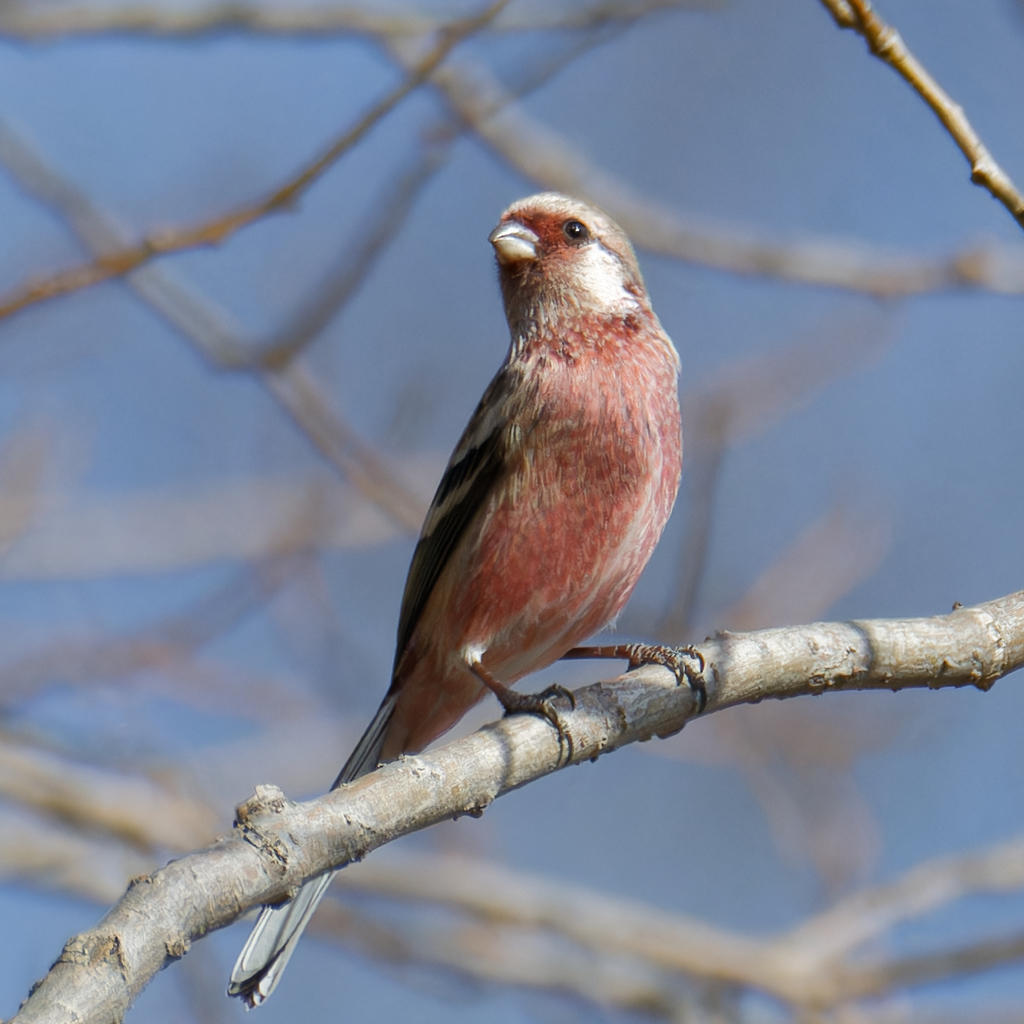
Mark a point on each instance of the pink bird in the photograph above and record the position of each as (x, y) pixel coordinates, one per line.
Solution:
(551, 505)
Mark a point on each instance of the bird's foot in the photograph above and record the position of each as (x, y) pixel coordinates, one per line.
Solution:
(686, 663)
(542, 704)
(532, 704)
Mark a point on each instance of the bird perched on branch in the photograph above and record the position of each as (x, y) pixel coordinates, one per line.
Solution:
(551, 506)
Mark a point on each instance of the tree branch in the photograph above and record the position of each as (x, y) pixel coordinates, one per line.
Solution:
(24, 23)
(495, 953)
(215, 232)
(816, 963)
(888, 46)
(291, 383)
(554, 162)
(278, 844)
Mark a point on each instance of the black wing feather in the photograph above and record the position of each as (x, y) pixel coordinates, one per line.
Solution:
(473, 470)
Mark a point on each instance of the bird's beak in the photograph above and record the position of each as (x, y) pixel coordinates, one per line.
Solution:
(514, 242)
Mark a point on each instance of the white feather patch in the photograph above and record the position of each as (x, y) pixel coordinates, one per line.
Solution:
(598, 279)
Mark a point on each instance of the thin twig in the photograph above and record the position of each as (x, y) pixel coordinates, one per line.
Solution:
(887, 45)
(305, 401)
(172, 639)
(222, 343)
(496, 954)
(31, 23)
(861, 981)
(552, 161)
(742, 401)
(137, 810)
(79, 535)
(387, 217)
(805, 966)
(831, 555)
(40, 850)
(220, 229)
(285, 377)
(869, 913)
(706, 448)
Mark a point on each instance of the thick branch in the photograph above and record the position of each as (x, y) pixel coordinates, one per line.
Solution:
(278, 844)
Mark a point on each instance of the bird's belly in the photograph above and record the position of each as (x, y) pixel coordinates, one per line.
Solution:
(538, 596)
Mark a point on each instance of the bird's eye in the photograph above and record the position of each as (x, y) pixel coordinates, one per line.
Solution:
(576, 231)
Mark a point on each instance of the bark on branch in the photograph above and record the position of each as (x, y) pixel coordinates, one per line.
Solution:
(277, 844)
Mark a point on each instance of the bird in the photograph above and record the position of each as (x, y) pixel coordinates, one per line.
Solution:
(547, 513)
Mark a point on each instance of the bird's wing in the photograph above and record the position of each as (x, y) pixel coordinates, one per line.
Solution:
(475, 468)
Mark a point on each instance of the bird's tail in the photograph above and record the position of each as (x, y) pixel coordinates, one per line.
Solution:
(273, 939)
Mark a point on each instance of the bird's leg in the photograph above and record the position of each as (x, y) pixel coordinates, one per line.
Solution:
(529, 703)
(678, 659)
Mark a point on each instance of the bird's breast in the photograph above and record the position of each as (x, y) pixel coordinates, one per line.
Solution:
(567, 532)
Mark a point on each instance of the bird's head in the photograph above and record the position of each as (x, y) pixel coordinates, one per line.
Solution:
(560, 260)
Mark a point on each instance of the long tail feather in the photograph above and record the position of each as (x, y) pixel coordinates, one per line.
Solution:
(273, 939)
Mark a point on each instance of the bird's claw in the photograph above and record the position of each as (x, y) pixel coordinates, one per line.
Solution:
(679, 661)
(541, 704)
